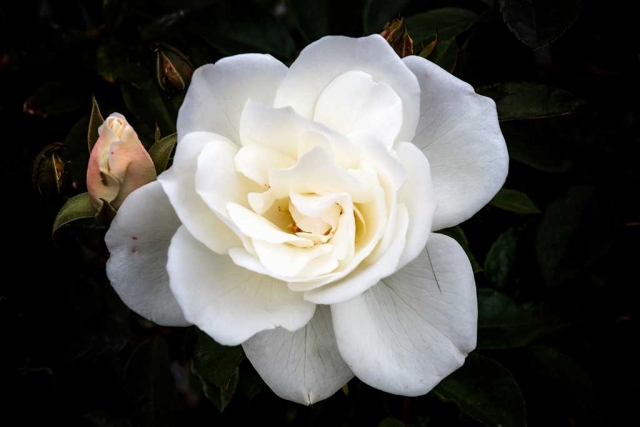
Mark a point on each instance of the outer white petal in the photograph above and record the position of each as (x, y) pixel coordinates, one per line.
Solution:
(414, 328)
(179, 183)
(324, 60)
(218, 93)
(460, 135)
(353, 102)
(420, 198)
(304, 366)
(138, 240)
(228, 302)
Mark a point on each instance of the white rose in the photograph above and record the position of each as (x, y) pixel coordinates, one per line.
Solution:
(297, 217)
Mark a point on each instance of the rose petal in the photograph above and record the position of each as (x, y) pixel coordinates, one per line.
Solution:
(302, 366)
(179, 183)
(323, 61)
(353, 102)
(414, 328)
(218, 92)
(138, 240)
(228, 302)
(460, 135)
(420, 198)
(255, 161)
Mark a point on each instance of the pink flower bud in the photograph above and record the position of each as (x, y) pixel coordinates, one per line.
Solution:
(119, 164)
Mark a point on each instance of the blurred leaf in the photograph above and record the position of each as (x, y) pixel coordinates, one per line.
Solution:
(161, 150)
(55, 98)
(76, 208)
(95, 121)
(514, 201)
(445, 54)
(485, 390)
(220, 396)
(149, 385)
(214, 362)
(75, 152)
(151, 106)
(105, 66)
(458, 235)
(501, 323)
(564, 371)
(575, 230)
(379, 12)
(242, 28)
(49, 176)
(391, 422)
(250, 382)
(312, 18)
(501, 258)
(540, 144)
(520, 101)
(538, 23)
(448, 22)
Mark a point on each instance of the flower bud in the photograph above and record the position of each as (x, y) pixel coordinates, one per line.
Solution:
(118, 165)
(173, 69)
(395, 32)
(49, 177)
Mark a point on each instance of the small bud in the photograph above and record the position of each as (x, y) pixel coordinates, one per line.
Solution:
(173, 69)
(118, 164)
(395, 32)
(49, 177)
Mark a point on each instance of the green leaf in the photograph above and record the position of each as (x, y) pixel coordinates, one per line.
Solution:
(501, 323)
(391, 422)
(214, 362)
(379, 12)
(312, 18)
(485, 390)
(565, 372)
(446, 54)
(523, 101)
(242, 28)
(75, 152)
(458, 235)
(538, 23)
(55, 98)
(220, 396)
(95, 121)
(501, 258)
(161, 150)
(448, 22)
(514, 201)
(250, 382)
(150, 105)
(76, 208)
(149, 385)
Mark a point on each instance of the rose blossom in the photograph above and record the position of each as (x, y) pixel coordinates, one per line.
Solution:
(118, 164)
(297, 217)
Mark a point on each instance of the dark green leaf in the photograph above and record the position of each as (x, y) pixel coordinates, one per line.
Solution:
(391, 422)
(95, 121)
(558, 228)
(522, 101)
(220, 396)
(448, 22)
(538, 23)
(250, 383)
(312, 18)
(149, 385)
(564, 371)
(501, 323)
(242, 28)
(214, 362)
(540, 144)
(76, 208)
(458, 235)
(151, 106)
(501, 258)
(446, 54)
(161, 150)
(105, 64)
(486, 391)
(379, 12)
(514, 201)
(55, 98)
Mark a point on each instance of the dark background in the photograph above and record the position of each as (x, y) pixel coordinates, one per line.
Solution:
(563, 321)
